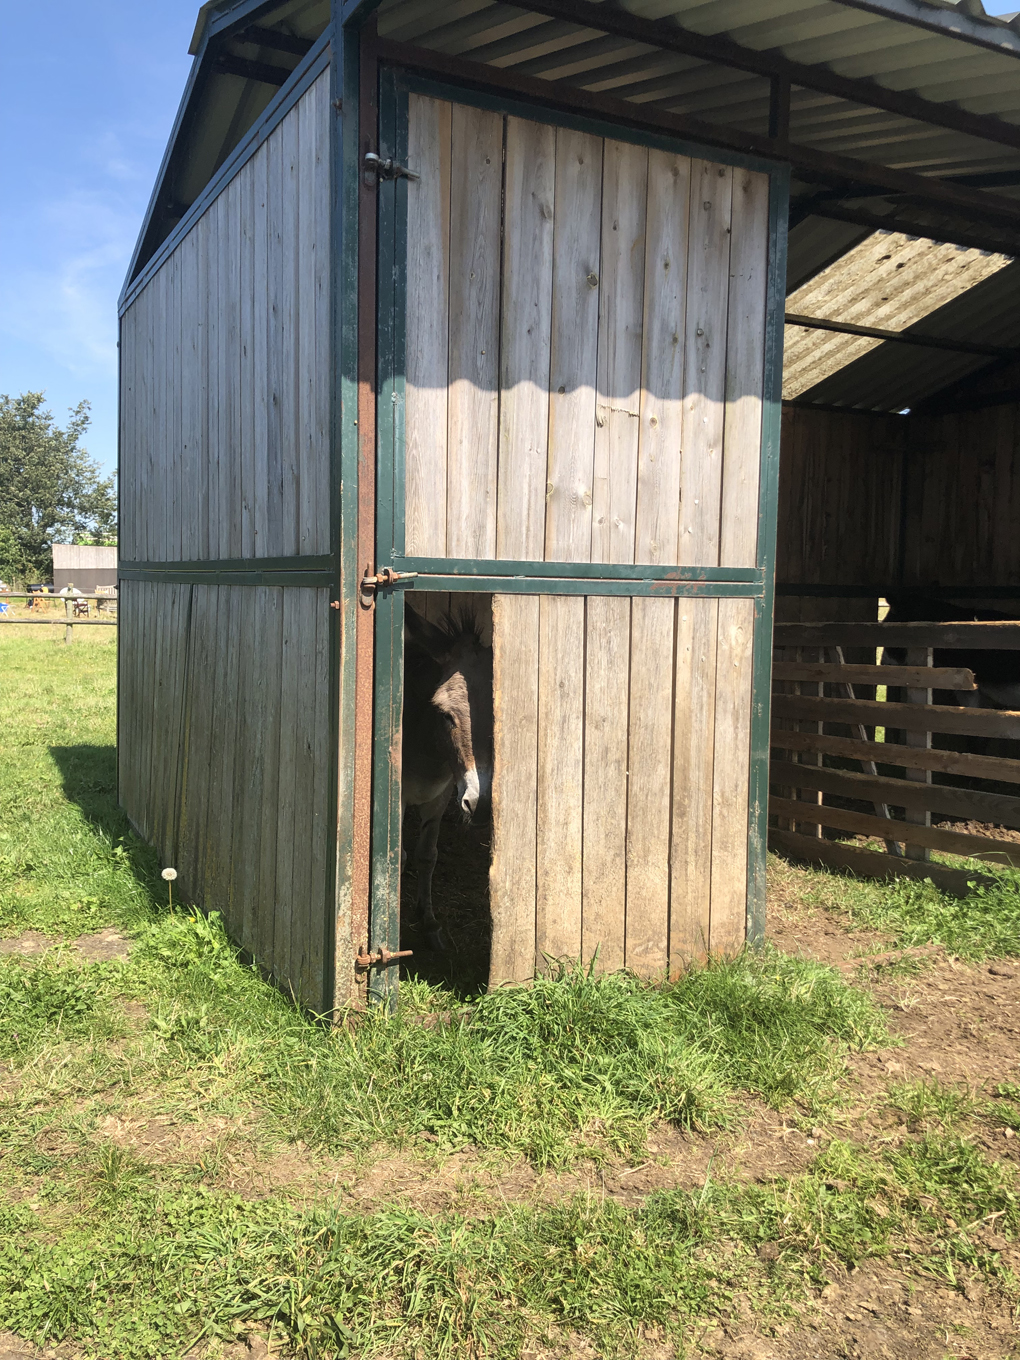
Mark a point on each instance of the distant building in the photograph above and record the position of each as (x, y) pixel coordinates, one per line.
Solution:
(88, 568)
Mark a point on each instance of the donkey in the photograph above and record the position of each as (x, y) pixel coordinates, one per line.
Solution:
(447, 737)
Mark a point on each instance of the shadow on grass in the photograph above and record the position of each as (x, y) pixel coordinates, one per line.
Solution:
(88, 776)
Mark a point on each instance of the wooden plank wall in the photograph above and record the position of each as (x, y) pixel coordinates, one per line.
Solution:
(840, 494)
(622, 760)
(878, 499)
(223, 759)
(586, 384)
(226, 393)
(963, 482)
(224, 719)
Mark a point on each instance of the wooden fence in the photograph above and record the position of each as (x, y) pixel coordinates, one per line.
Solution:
(833, 769)
(69, 619)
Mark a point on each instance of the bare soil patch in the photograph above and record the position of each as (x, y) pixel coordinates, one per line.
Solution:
(27, 945)
(102, 947)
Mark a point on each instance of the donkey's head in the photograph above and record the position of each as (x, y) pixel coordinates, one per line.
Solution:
(462, 702)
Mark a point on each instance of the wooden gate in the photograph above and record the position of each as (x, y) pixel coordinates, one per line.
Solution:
(575, 357)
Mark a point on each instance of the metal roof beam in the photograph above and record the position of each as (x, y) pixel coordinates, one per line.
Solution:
(225, 64)
(948, 23)
(258, 36)
(607, 18)
(847, 174)
(951, 234)
(818, 323)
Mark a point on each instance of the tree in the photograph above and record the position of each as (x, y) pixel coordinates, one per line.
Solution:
(50, 489)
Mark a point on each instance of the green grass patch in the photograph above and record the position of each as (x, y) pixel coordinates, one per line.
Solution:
(168, 1268)
(985, 924)
(132, 1257)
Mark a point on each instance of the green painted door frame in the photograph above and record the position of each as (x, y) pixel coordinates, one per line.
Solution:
(451, 574)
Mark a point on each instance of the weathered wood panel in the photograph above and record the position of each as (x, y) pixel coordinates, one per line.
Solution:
(223, 761)
(622, 771)
(225, 417)
(840, 490)
(630, 330)
(512, 882)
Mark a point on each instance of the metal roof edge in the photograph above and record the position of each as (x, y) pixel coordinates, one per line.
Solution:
(949, 22)
(201, 23)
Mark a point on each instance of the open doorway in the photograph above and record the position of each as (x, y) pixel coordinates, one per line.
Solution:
(447, 782)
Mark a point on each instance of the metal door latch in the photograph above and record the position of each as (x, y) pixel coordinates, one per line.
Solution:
(388, 169)
(363, 960)
(386, 577)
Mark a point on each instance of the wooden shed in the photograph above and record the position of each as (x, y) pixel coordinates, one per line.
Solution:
(440, 299)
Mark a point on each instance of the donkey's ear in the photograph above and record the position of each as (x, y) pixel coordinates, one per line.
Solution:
(428, 637)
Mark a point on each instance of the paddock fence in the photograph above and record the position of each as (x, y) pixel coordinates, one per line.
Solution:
(70, 616)
(861, 753)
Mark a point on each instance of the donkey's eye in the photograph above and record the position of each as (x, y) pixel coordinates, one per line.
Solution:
(450, 720)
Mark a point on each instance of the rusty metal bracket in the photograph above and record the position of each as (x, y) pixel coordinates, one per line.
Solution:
(363, 961)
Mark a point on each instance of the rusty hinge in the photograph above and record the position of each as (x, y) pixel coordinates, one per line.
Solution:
(385, 169)
(383, 578)
(363, 960)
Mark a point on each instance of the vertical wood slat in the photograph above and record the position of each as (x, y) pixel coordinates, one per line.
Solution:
(176, 480)
(231, 397)
(289, 335)
(473, 394)
(606, 707)
(154, 499)
(526, 336)
(731, 775)
(618, 398)
(248, 490)
(704, 406)
(917, 656)
(306, 377)
(652, 647)
(213, 508)
(262, 491)
(512, 874)
(269, 931)
(286, 907)
(560, 796)
(745, 369)
(693, 765)
(428, 305)
(323, 311)
(573, 347)
(662, 368)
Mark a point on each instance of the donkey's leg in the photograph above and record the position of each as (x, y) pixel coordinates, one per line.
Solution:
(425, 857)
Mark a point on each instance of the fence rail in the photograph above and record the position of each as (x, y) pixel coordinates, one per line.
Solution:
(827, 749)
(69, 621)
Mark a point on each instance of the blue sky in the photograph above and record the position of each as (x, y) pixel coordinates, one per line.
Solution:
(88, 94)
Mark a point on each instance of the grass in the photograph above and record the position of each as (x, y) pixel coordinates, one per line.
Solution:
(985, 924)
(130, 1252)
(191, 1263)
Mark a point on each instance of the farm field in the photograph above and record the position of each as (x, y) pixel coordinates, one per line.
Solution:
(797, 1154)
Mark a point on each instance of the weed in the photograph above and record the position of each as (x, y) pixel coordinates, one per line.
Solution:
(1005, 1109)
(42, 999)
(932, 1103)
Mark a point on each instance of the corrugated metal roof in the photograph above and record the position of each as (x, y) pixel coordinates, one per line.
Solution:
(893, 376)
(891, 281)
(940, 66)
